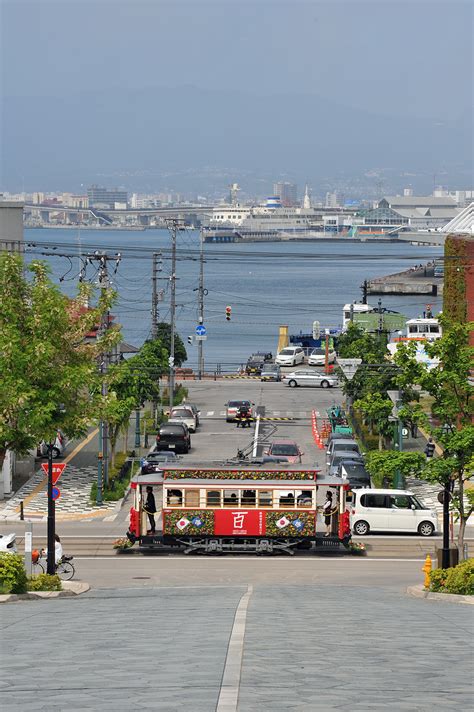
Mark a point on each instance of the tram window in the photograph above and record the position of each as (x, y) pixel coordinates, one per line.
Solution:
(265, 498)
(231, 498)
(287, 499)
(213, 498)
(191, 498)
(175, 498)
(249, 498)
(304, 498)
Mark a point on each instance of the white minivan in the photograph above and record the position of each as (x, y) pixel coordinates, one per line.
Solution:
(379, 510)
(290, 356)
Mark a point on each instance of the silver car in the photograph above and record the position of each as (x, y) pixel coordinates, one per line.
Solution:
(306, 377)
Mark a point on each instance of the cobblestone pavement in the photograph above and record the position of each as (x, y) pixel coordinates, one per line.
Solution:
(75, 486)
(305, 649)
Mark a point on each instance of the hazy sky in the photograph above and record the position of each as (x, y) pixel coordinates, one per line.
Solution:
(407, 59)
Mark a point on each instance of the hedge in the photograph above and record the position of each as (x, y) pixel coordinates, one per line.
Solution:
(12, 574)
(459, 579)
(45, 582)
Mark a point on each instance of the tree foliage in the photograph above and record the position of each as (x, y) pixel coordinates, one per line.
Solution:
(452, 409)
(377, 410)
(384, 465)
(164, 335)
(47, 364)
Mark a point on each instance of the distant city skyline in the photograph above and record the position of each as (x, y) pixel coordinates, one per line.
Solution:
(193, 95)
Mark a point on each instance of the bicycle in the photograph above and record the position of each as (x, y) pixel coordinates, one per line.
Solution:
(64, 569)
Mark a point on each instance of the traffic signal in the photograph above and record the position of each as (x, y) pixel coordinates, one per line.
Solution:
(190, 339)
(228, 313)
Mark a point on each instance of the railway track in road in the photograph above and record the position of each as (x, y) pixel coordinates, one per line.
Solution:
(395, 547)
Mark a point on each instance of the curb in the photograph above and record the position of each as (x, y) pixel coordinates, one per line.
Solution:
(70, 588)
(419, 591)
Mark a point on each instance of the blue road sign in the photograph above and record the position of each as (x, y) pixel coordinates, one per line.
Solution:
(201, 330)
(56, 493)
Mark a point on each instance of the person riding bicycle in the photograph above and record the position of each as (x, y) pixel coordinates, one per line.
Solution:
(58, 550)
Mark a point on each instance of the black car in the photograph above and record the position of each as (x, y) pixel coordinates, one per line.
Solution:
(153, 460)
(174, 436)
(355, 472)
(257, 361)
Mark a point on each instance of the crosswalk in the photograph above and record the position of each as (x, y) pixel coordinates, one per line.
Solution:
(293, 414)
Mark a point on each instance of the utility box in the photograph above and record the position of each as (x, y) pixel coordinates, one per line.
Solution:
(453, 557)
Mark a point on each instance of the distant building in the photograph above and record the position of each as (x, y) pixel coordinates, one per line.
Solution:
(416, 211)
(332, 200)
(287, 192)
(98, 195)
(11, 226)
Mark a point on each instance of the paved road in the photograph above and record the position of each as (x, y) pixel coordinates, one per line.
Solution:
(297, 647)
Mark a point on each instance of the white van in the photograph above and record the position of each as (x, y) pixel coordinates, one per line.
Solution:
(378, 510)
(290, 356)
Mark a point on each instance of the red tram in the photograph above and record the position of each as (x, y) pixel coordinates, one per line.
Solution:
(223, 508)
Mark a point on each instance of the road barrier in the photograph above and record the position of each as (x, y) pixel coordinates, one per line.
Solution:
(314, 427)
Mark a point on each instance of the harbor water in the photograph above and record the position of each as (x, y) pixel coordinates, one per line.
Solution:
(266, 284)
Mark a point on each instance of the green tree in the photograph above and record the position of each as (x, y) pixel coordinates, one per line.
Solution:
(131, 383)
(164, 335)
(377, 410)
(383, 466)
(356, 342)
(452, 410)
(48, 367)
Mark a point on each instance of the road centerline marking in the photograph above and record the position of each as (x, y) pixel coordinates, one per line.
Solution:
(229, 692)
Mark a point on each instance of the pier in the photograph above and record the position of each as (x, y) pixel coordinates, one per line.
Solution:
(416, 280)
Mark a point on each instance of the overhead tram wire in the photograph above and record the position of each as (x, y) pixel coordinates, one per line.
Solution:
(143, 252)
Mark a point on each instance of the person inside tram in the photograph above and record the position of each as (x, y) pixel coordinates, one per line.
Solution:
(304, 499)
(287, 500)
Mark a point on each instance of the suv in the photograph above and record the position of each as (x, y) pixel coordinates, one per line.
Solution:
(290, 356)
(174, 436)
(256, 362)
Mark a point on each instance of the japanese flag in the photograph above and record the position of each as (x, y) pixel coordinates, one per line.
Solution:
(282, 522)
(182, 524)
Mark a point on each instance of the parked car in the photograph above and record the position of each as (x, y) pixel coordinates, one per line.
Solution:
(8, 543)
(184, 414)
(285, 448)
(174, 436)
(232, 408)
(195, 410)
(341, 456)
(58, 448)
(317, 357)
(270, 372)
(338, 436)
(153, 461)
(312, 379)
(337, 445)
(257, 361)
(381, 510)
(355, 473)
(290, 356)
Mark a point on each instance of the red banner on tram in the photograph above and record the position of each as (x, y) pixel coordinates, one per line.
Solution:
(239, 522)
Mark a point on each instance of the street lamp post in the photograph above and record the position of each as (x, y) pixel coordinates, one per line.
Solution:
(50, 562)
(137, 427)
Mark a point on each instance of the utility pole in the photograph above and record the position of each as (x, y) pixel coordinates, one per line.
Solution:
(104, 283)
(155, 295)
(50, 561)
(155, 298)
(364, 291)
(173, 228)
(201, 304)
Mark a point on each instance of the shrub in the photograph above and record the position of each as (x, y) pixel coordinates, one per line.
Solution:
(44, 582)
(459, 579)
(12, 574)
(116, 487)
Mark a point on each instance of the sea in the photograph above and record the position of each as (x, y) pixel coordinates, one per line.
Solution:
(266, 284)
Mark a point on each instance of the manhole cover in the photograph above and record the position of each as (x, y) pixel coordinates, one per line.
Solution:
(141, 577)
